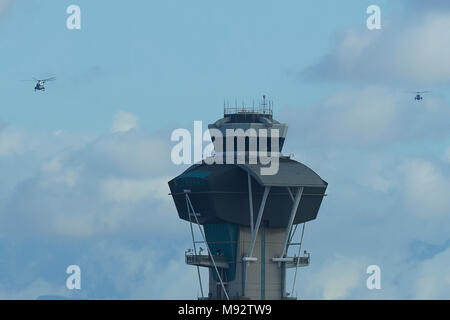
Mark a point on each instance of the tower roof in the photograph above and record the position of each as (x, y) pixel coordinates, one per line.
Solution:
(290, 174)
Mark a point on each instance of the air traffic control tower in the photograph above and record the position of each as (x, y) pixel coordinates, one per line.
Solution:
(243, 223)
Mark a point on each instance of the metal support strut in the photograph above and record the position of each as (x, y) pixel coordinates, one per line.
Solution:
(298, 260)
(291, 237)
(258, 221)
(254, 229)
(291, 220)
(250, 201)
(195, 247)
(206, 243)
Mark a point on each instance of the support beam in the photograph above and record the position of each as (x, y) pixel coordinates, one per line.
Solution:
(254, 231)
(290, 192)
(292, 234)
(244, 277)
(287, 259)
(283, 280)
(291, 220)
(247, 259)
(252, 259)
(207, 247)
(250, 201)
(298, 255)
(258, 220)
(195, 247)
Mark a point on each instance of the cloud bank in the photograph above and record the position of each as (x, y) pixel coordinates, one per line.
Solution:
(100, 201)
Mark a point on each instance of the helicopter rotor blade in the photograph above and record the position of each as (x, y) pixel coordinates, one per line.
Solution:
(39, 80)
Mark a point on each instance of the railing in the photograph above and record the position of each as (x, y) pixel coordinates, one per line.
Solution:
(293, 262)
(240, 110)
(204, 260)
(303, 261)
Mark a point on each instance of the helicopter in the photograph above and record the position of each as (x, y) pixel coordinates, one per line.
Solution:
(419, 94)
(40, 84)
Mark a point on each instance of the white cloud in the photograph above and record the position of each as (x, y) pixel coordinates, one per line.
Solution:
(56, 173)
(78, 189)
(140, 273)
(109, 269)
(336, 279)
(11, 142)
(128, 154)
(124, 121)
(425, 189)
(102, 187)
(432, 280)
(425, 60)
(412, 52)
(132, 190)
(447, 155)
(37, 288)
(369, 116)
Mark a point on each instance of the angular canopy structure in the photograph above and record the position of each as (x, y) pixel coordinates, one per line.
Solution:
(220, 193)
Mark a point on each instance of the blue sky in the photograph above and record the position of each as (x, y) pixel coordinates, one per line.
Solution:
(166, 60)
(84, 166)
